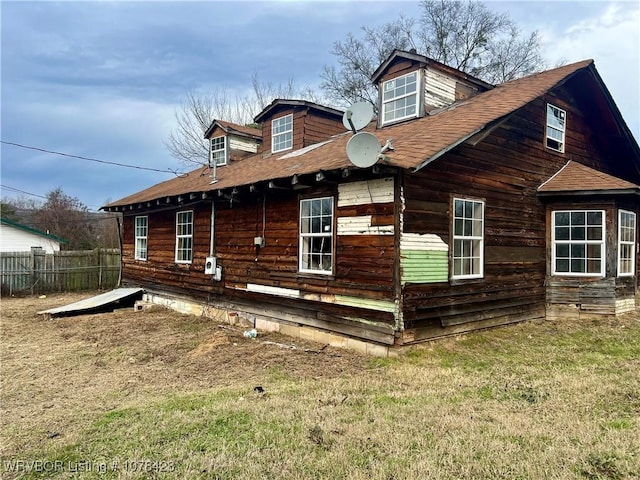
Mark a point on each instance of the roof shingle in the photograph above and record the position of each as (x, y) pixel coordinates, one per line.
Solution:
(575, 177)
(416, 142)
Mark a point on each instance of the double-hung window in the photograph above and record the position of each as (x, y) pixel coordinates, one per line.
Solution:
(400, 98)
(219, 151)
(316, 235)
(556, 122)
(468, 238)
(141, 231)
(184, 236)
(578, 242)
(282, 133)
(626, 242)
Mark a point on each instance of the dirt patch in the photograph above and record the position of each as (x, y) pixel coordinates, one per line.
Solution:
(57, 374)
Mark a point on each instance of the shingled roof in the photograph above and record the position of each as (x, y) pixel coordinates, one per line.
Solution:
(577, 179)
(416, 143)
(234, 128)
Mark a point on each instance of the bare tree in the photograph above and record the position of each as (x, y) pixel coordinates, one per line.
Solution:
(187, 144)
(66, 217)
(464, 35)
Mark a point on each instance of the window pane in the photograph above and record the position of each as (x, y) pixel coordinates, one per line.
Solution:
(459, 208)
(562, 233)
(577, 233)
(594, 218)
(577, 250)
(594, 233)
(562, 250)
(578, 265)
(562, 218)
(468, 228)
(578, 218)
(594, 251)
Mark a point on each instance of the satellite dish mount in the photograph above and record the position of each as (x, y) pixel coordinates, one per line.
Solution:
(363, 149)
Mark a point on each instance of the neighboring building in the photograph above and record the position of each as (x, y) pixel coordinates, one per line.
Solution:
(15, 237)
(493, 205)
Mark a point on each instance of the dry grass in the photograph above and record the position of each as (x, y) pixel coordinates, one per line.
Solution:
(102, 392)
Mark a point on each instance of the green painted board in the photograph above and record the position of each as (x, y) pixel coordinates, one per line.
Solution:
(424, 266)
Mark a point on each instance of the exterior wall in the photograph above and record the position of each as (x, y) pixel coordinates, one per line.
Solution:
(309, 126)
(242, 144)
(439, 88)
(608, 295)
(359, 299)
(503, 170)
(16, 240)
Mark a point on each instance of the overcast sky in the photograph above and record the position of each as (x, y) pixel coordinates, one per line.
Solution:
(102, 80)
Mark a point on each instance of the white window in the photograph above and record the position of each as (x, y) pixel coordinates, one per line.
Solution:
(282, 133)
(400, 98)
(316, 235)
(219, 151)
(626, 243)
(141, 228)
(578, 242)
(184, 236)
(556, 120)
(468, 238)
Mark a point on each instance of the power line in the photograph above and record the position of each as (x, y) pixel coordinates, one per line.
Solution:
(168, 170)
(5, 187)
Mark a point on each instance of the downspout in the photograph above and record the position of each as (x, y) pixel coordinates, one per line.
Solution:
(121, 256)
(212, 231)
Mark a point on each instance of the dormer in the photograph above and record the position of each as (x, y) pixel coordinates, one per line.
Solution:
(412, 86)
(293, 124)
(230, 142)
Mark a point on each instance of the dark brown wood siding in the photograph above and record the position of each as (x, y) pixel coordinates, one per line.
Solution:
(160, 270)
(309, 126)
(363, 265)
(503, 170)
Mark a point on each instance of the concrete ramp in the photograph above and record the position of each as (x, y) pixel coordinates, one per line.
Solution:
(105, 302)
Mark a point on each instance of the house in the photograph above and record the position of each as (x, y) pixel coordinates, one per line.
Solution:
(15, 237)
(489, 205)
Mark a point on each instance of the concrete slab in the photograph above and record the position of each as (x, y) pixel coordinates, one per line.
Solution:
(115, 298)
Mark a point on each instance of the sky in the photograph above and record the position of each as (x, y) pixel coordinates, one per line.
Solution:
(103, 80)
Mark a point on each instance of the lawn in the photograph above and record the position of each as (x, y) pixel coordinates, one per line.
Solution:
(157, 394)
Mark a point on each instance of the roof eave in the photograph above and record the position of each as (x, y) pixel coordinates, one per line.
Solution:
(589, 193)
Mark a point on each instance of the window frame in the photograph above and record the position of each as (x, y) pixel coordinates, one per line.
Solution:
(136, 249)
(585, 242)
(183, 236)
(274, 135)
(632, 258)
(302, 236)
(549, 127)
(467, 238)
(217, 150)
(386, 103)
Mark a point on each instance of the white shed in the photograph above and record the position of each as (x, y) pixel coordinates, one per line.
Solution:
(15, 237)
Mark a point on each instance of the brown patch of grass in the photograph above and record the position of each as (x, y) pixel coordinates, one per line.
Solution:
(535, 400)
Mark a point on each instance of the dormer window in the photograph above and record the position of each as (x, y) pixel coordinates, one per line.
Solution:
(282, 133)
(219, 151)
(400, 98)
(556, 120)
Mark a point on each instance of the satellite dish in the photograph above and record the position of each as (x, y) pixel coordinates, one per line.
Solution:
(357, 116)
(363, 149)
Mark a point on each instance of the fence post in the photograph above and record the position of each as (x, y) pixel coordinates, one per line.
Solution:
(37, 261)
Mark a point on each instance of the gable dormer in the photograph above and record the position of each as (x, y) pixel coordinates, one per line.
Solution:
(412, 85)
(293, 124)
(229, 142)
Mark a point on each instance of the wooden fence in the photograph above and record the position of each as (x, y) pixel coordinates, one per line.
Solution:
(39, 272)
